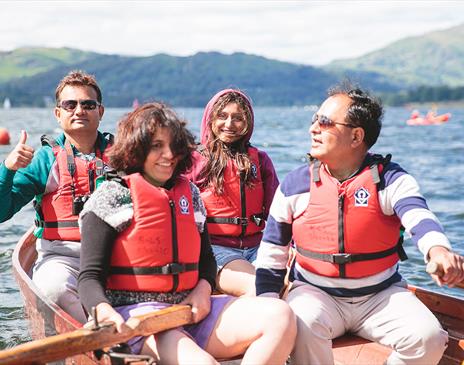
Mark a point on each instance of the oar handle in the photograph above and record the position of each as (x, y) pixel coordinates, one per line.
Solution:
(434, 268)
(82, 340)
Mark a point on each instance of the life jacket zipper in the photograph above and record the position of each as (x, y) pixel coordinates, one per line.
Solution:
(243, 203)
(341, 234)
(175, 250)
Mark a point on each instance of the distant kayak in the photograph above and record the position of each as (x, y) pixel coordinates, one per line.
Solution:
(429, 119)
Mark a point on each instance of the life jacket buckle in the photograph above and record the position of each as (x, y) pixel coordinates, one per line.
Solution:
(241, 221)
(341, 258)
(257, 220)
(172, 268)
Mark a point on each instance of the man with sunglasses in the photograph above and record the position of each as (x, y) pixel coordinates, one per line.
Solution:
(60, 176)
(344, 212)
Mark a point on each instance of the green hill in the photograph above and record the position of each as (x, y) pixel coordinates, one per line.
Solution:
(180, 81)
(28, 76)
(29, 61)
(432, 59)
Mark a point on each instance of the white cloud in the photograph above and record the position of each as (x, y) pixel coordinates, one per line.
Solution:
(308, 32)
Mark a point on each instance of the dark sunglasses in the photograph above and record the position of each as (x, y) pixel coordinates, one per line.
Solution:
(327, 122)
(70, 105)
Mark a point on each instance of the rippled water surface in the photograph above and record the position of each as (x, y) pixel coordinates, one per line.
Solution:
(433, 154)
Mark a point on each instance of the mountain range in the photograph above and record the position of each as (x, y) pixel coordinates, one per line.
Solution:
(28, 76)
(433, 59)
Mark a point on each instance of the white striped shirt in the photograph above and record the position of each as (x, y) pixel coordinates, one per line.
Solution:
(398, 195)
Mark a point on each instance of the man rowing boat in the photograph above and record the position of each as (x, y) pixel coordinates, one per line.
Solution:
(344, 212)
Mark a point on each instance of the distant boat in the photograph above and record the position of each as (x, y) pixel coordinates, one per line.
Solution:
(431, 118)
(135, 104)
(311, 108)
(6, 103)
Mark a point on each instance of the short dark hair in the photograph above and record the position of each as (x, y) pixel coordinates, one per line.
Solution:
(78, 78)
(365, 110)
(135, 134)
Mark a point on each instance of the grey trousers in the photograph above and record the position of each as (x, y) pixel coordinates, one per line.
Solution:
(393, 317)
(55, 273)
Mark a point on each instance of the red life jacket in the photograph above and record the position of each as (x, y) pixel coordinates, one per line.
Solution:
(58, 210)
(160, 250)
(239, 211)
(343, 231)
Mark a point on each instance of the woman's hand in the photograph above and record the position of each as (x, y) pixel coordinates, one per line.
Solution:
(106, 313)
(200, 300)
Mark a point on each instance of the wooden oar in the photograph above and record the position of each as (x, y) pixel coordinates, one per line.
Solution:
(83, 340)
(434, 269)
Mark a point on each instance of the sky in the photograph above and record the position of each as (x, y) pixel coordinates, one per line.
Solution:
(303, 32)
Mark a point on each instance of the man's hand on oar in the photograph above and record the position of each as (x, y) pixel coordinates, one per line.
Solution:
(446, 267)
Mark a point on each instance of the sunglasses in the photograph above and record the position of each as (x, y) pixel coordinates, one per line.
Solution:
(70, 105)
(327, 122)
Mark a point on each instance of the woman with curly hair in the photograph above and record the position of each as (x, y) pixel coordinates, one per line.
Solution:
(145, 247)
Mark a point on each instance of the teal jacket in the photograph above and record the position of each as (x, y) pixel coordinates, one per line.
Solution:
(41, 176)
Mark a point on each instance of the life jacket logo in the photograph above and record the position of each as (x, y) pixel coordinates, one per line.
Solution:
(184, 205)
(254, 171)
(361, 197)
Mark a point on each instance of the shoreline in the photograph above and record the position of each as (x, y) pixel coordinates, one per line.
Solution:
(436, 105)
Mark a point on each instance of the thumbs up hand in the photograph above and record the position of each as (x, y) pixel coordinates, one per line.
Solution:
(21, 156)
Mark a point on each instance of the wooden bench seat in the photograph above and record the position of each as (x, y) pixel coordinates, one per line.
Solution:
(354, 350)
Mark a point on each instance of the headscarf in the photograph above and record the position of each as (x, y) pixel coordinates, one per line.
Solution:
(205, 130)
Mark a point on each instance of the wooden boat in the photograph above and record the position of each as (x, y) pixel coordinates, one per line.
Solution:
(46, 318)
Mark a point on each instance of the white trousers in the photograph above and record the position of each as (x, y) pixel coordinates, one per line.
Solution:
(55, 273)
(393, 317)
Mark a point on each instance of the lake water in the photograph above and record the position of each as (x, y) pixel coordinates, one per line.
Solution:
(433, 154)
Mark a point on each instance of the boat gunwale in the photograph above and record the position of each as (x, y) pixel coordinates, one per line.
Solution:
(20, 249)
(28, 289)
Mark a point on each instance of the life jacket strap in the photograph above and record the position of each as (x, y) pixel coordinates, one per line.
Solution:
(401, 252)
(70, 158)
(346, 258)
(229, 220)
(257, 219)
(59, 224)
(168, 269)
(375, 174)
(47, 140)
(315, 171)
(38, 208)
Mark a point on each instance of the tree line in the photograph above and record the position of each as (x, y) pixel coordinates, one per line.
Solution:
(423, 94)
